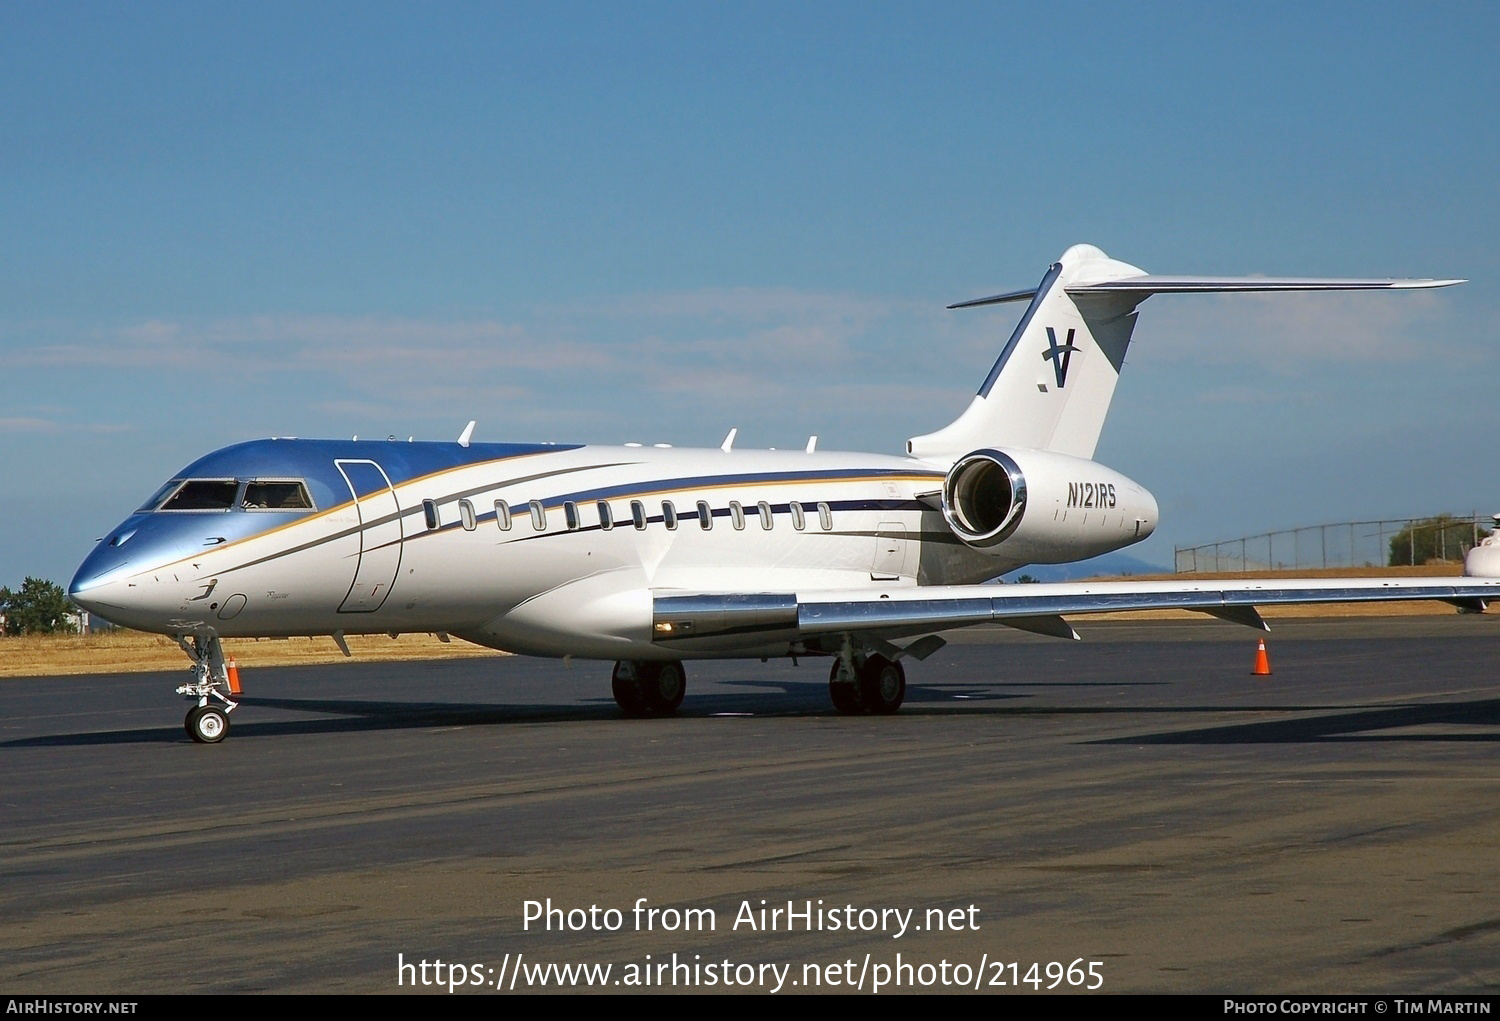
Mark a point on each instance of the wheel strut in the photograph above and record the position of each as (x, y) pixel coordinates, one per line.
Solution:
(206, 722)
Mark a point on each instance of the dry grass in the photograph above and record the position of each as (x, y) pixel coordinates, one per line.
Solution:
(123, 651)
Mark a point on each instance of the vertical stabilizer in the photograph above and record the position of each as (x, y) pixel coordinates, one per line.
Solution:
(1051, 386)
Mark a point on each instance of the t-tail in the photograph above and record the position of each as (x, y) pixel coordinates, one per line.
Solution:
(1051, 386)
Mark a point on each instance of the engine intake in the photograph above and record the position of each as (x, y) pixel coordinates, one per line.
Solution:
(984, 497)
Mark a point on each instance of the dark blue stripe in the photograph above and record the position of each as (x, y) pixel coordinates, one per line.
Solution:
(655, 486)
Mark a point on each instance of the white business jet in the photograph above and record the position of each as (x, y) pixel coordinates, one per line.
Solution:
(650, 556)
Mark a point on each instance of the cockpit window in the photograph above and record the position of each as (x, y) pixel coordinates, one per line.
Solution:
(161, 494)
(203, 495)
(231, 494)
(276, 495)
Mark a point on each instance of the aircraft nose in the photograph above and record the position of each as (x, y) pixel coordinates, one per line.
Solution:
(91, 585)
(102, 586)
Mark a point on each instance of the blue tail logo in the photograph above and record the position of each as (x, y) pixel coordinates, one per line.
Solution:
(1060, 355)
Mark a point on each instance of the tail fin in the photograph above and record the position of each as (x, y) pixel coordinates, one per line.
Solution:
(1051, 387)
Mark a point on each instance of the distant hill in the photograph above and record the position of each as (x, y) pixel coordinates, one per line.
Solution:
(1110, 564)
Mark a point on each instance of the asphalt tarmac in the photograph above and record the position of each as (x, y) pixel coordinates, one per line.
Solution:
(1135, 807)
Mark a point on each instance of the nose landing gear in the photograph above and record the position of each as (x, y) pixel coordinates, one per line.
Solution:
(206, 722)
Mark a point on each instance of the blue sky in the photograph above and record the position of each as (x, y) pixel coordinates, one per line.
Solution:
(655, 221)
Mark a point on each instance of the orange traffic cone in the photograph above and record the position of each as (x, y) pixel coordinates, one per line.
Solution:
(1262, 661)
(234, 677)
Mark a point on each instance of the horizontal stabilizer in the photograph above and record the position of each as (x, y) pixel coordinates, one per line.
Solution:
(1153, 283)
(1156, 283)
(998, 299)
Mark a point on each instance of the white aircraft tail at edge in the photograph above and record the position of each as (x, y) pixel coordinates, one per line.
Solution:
(651, 556)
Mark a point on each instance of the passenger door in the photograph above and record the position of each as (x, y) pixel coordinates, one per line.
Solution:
(380, 535)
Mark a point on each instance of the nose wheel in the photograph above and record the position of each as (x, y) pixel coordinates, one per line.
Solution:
(207, 724)
(208, 721)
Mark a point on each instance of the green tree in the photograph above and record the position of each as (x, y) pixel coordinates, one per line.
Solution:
(38, 607)
(1438, 538)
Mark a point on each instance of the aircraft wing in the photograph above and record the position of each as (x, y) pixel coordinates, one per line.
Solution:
(705, 621)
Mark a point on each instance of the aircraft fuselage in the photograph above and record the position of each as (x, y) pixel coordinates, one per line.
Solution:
(555, 549)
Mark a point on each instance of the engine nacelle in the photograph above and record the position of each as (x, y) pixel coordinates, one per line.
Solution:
(1043, 507)
(984, 497)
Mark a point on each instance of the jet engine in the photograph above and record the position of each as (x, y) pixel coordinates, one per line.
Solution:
(984, 497)
(1039, 506)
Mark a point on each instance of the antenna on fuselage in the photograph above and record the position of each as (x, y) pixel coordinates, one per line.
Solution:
(812, 444)
(728, 443)
(463, 437)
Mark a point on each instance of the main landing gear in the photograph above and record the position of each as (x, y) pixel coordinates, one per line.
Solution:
(649, 689)
(206, 722)
(873, 684)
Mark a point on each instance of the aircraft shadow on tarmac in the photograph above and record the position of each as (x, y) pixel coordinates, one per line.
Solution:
(1352, 724)
(1304, 724)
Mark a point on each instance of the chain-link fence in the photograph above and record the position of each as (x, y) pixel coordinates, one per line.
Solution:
(1345, 544)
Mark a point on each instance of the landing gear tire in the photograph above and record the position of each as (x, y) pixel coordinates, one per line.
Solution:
(207, 724)
(626, 685)
(882, 685)
(663, 685)
(845, 694)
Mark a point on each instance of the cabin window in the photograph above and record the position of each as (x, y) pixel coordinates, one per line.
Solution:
(203, 495)
(261, 494)
(606, 516)
(570, 514)
(737, 515)
(766, 520)
(799, 519)
(669, 515)
(825, 517)
(466, 515)
(638, 514)
(502, 515)
(705, 515)
(538, 516)
(429, 510)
